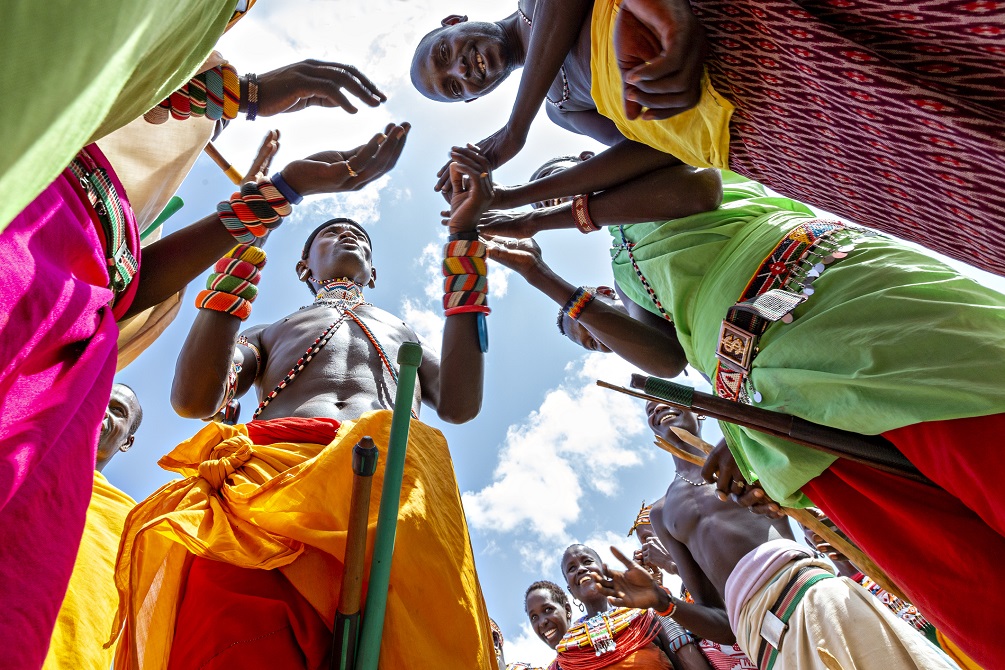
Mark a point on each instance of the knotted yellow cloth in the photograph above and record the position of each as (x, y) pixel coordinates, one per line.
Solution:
(91, 599)
(698, 137)
(285, 506)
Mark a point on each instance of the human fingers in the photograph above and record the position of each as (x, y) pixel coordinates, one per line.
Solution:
(335, 76)
(680, 102)
(629, 563)
(443, 177)
(474, 155)
(363, 79)
(266, 152)
(387, 155)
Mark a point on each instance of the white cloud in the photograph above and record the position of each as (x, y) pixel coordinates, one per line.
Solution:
(527, 647)
(562, 451)
(426, 323)
(498, 280)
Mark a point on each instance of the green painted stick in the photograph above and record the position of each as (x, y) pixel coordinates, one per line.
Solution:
(347, 616)
(409, 357)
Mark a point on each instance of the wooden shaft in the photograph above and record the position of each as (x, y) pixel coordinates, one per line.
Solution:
(232, 172)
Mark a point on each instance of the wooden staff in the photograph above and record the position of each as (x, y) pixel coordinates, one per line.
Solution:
(801, 516)
(346, 629)
(232, 172)
(872, 450)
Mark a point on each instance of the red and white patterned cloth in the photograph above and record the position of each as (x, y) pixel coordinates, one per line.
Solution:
(725, 657)
(889, 113)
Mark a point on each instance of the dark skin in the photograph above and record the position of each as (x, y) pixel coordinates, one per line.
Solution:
(119, 425)
(169, 264)
(585, 576)
(549, 618)
(347, 377)
(705, 536)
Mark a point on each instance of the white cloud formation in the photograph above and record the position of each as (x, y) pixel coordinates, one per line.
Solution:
(527, 647)
(563, 450)
(426, 323)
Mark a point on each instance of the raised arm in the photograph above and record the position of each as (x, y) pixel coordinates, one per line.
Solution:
(655, 350)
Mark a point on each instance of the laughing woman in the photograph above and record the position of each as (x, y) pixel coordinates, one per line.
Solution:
(607, 637)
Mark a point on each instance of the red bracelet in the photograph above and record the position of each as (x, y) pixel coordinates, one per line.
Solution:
(581, 214)
(669, 611)
(466, 309)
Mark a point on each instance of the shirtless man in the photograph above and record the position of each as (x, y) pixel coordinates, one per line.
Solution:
(333, 396)
(738, 566)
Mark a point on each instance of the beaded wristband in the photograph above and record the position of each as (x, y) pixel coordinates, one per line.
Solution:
(214, 93)
(242, 288)
(465, 248)
(466, 282)
(465, 235)
(253, 212)
(468, 309)
(458, 298)
(285, 189)
(578, 302)
(251, 81)
(219, 301)
(464, 265)
(238, 268)
(231, 91)
(243, 341)
(669, 611)
(581, 214)
(181, 104)
(197, 95)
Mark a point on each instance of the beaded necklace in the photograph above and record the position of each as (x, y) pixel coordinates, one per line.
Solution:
(599, 630)
(561, 71)
(345, 296)
(683, 478)
(628, 246)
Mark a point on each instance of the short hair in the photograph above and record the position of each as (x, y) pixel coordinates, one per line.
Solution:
(137, 417)
(551, 587)
(413, 69)
(560, 323)
(538, 173)
(332, 222)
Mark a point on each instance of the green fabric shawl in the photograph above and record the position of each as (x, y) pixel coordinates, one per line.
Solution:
(891, 337)
(74, 71)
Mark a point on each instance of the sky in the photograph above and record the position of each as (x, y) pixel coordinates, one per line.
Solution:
(552, 459)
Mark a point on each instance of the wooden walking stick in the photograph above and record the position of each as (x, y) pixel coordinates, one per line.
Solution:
(346, 630)
(872, 450)
(802, 516)
(409, 357)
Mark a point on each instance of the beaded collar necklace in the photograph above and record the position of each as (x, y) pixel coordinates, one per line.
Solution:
(345, 296)
(561, 71)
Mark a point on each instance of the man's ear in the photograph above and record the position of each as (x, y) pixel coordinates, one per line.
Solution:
(453, 20)
(302, 270)
(586, 155)
(373, 278)
(127, 445)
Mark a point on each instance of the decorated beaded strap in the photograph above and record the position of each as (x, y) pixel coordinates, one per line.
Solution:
(628, 246)
(561, 70)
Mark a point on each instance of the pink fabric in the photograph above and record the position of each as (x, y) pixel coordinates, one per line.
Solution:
(725, 657)
(57, 361)
(756, 569)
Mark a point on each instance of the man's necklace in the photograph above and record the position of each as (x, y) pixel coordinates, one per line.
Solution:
(682, 477)
(345, 296)
(561, 71)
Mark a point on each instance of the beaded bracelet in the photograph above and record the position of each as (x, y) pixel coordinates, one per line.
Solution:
(244, 342)
(285, 189)
(467, 309)
(257, 209)
(461, 298)
(215, 94)
(578, 302)
(231, 91)
(232, 288)
(219, 301)
(465, 282)
(465, 248)
(464, 265)
(581, 214)
(465, 285)
(251, 81)
(669, 611)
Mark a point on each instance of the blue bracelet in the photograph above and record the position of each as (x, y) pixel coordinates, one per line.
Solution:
(291, 196)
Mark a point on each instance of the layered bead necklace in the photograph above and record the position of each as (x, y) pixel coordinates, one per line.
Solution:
(344, 295)
(626, 245)
(561, 71)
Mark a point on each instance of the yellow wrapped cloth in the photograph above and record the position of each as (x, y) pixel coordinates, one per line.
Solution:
(285, 506)
(91, 599)
(698, 137)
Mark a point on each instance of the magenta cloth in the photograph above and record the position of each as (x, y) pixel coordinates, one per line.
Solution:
(58, 354)
(890, 114)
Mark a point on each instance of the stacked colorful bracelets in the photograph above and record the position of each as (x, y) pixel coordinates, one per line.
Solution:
(578, 302)
(581, 214)
(253, 212)
(465, 286)
(215, 94)
(233, 286)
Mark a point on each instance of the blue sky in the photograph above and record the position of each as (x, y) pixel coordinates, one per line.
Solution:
(552, 459)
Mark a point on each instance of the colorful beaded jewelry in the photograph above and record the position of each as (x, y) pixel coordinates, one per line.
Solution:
(581, 214)
(578, 302)
(285, 189)
(257, 209)
(232, 288)
(243, 341)
(561, 71)
(251, 84)
(214, 94)
(628, 246)
(231, 91)
(599, 630)
(465, 285)
(672, 607)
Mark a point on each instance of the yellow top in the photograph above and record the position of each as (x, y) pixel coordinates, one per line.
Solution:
(88, 609)
(698, 137)
(286, 506)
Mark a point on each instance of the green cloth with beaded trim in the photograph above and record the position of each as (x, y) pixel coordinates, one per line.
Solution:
(891, 337)
(75, 71)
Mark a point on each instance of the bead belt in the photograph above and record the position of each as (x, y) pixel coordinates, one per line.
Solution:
(783, 281)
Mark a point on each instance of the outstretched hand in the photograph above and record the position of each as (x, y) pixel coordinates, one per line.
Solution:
(260, 166)
(633, 587)
(314, 83)
(471, 192)
(721, 469)
(521, 256)
(498, 148)
(661, 49)
(338, 171)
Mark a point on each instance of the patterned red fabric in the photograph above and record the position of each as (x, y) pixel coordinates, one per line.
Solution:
(887, 112)
(725, 657)
(942, 546)
(315, 430)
